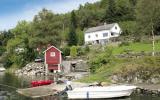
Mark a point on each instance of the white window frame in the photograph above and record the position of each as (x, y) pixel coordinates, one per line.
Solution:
(52, 54)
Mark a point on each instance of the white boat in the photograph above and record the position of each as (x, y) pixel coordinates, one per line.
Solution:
(97, 92)
(2, 69)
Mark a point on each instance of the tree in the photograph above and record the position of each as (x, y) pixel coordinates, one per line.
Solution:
(46, 29)
(110, 15)
(148, 18)
(72, 31)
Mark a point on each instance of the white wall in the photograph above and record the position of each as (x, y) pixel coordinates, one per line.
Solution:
(116, 29)
(93, 35)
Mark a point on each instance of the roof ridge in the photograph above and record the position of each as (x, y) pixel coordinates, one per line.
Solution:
(100, 27)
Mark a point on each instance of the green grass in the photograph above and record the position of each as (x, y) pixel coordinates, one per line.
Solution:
(136, 47)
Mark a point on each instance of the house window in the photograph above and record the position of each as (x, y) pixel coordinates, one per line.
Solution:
(89, 36)
(105, 34)
(52, 54)
(112, 33)
(115, 27)
(96, 35)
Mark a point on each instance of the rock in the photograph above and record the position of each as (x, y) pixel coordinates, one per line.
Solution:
(32, 69)
(2, 93)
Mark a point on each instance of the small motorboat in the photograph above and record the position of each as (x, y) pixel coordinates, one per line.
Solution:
(2, 69)
(41, 83)
(99, 92)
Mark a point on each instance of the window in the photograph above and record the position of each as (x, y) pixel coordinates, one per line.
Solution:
(105, 34)
(89, 36)
(112, 33)
(52, 54)
(96, 35)
(115, 27)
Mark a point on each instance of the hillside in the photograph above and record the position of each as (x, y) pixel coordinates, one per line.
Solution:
(115, 64)
(66, 31)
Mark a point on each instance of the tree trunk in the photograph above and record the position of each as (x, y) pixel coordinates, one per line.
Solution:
(153, 42)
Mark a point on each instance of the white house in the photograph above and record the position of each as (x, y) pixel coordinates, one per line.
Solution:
(102, 34)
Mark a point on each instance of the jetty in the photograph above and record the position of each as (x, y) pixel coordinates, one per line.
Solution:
(47, 90)
(41, 91)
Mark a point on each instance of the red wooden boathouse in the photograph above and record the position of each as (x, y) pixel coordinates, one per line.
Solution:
(53, 59)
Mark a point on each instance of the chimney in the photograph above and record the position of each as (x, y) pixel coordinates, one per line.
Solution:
(105, 25)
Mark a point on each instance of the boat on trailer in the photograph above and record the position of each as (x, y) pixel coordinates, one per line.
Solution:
(99, 92)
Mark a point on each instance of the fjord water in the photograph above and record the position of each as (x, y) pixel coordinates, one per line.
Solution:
(9, 83)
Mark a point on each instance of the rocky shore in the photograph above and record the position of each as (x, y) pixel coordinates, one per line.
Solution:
(143, 89)
(32, 69)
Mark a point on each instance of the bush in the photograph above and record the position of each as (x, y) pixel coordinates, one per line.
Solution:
(66, 51)
(87, 49)
(101, 59)
(2, 50)
(81, 51)
(73, 51)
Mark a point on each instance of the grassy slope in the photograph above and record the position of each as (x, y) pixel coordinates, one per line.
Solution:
(136, 47)
(107, 70)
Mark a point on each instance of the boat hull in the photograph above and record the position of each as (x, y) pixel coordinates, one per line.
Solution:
(99, 92)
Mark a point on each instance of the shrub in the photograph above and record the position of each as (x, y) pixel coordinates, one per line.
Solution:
(81, 51)
(66, 51)
(73, 51)
(2, 50)
(87, 49)
(101, 59)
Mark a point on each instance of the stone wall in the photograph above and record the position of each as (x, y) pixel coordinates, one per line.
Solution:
(32, 69)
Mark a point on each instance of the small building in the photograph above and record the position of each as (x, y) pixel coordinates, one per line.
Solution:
(53, 60)
(102, 34)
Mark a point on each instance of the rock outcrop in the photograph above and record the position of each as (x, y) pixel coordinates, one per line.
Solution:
(32, 69)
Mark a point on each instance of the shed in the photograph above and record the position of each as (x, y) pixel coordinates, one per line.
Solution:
(53, 59)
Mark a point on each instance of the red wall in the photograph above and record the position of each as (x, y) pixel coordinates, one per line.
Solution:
(55, 59)
(53, 67)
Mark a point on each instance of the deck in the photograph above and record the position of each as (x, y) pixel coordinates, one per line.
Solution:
(41, 91)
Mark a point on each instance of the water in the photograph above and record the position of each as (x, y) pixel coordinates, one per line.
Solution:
(9, 83)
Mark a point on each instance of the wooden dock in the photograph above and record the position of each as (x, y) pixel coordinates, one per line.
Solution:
(41, 91)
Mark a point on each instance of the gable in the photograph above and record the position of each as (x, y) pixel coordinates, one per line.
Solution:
(51, 47)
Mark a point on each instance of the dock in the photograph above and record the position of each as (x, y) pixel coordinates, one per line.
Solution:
(41, 91)
(47, 90)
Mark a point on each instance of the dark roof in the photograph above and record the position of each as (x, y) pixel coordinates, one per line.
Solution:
(99, 28)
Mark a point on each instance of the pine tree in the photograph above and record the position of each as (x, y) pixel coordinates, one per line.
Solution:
(72, 31)
(110, 16)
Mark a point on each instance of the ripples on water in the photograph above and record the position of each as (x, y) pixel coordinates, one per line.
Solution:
(9, 83)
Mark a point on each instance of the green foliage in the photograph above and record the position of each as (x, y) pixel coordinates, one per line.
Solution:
(87, 49)
(136, 47)
(5, 36)
(62, 29)
(80, 36)
(148, 15)
(111, 12)
(45, 29)
(124, 43)
(128, 27)
(2, 50)
(73, 51)
(66, 51)
(101, 59)
(72, 33)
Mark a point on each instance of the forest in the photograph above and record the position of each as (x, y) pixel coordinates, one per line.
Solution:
(137, 18)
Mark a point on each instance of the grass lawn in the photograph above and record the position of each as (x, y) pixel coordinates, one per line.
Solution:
(136, 47)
